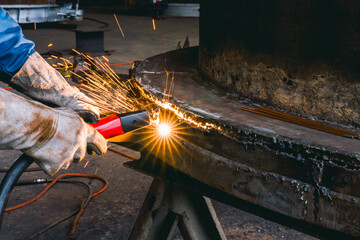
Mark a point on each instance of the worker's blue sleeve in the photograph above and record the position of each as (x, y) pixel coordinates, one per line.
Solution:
(14, 47)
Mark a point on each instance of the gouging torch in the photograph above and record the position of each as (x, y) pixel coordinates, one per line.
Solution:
(118, 124)
(110, 126)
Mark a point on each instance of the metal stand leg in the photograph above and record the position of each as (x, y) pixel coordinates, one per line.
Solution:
(167, 205)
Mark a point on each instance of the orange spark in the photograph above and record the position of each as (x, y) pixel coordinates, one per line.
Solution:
(76, 51)
(105, 58)
(119, 25)
(101, 89)
(50, 44)
(153, 22)
(86, 164)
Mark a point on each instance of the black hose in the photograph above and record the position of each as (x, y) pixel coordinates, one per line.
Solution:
(8, 182)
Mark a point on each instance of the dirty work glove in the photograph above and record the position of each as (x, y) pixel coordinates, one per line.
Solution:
(40, 81)
(53, 137)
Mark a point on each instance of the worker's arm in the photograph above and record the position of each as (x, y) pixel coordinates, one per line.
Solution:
(15, 48)
(52, 137)
(33, 76)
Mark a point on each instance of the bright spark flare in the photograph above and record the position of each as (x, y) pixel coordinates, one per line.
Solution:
(50, 44)
(107, 89)
(166, 134)
(164, 130)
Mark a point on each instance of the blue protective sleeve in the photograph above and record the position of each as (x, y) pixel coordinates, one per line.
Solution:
(14, 47)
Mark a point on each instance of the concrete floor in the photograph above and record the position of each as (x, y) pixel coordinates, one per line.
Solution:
(112, 214)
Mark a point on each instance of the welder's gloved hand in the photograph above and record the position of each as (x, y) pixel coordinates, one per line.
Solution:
(40, 81)
(53, 137)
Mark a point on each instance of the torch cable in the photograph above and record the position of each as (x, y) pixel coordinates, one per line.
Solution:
(66, 175)
(11, 177)
(84, 203)
(76, 212)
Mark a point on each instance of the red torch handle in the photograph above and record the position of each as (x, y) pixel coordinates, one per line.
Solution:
(109, 126)
(115, 125)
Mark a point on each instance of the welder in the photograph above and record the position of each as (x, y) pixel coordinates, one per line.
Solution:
(54, 137)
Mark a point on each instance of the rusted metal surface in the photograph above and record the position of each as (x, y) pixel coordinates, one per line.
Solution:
(302, 122)
(306, 199)
(298, 172)
(194, 94)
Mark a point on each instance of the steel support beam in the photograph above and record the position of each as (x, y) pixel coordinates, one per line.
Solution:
(167, 205)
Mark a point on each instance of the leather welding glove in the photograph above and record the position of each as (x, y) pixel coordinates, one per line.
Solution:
(42, 82)
(53, 137)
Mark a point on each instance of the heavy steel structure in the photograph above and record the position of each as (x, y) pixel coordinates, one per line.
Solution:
(23, 12)
(296, 176)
